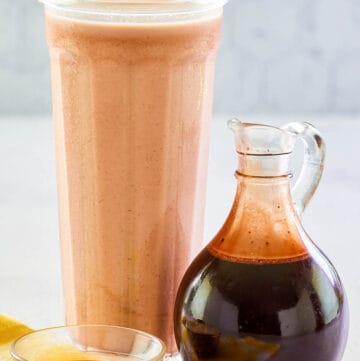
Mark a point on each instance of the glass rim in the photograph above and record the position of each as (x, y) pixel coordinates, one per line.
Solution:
(137, 2)
(14, 354)
(137, 7)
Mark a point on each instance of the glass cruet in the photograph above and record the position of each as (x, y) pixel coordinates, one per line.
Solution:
(261, 289)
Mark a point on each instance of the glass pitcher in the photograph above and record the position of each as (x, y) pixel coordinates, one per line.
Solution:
(262, 290)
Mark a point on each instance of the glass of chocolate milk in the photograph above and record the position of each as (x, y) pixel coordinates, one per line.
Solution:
(132, 87)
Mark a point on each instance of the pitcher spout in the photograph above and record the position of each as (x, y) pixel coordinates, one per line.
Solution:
(260, 139)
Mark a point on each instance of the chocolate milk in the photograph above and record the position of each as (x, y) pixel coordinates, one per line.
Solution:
(132, 108)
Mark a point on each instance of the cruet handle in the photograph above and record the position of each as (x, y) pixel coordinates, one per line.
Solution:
(312, 169)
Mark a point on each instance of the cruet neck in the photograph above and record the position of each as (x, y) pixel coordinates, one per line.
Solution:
(263, 151)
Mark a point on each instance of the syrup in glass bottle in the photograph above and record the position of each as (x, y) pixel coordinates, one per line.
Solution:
(262, 290)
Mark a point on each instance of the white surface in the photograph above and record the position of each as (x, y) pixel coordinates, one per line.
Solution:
(30, 286)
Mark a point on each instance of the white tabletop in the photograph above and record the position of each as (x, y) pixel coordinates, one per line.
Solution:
(30, 285)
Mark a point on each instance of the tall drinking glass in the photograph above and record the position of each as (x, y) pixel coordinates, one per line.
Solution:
(132, 94)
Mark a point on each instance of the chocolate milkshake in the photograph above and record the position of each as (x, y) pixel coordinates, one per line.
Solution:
(132, 95)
